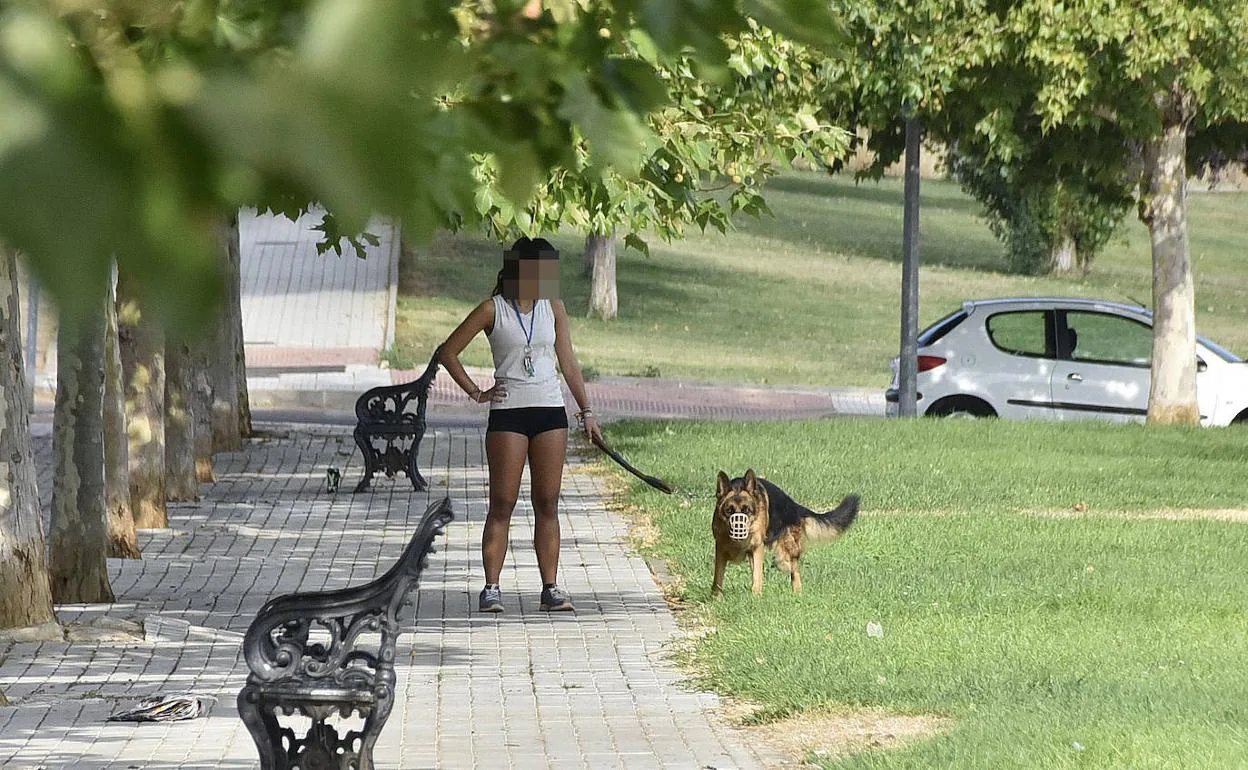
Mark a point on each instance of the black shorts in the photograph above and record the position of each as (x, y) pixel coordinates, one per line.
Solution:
(528, 421)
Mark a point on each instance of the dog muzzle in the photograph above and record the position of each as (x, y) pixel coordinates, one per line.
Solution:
(739, 526)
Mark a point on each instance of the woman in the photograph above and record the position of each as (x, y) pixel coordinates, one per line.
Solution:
(527, 326)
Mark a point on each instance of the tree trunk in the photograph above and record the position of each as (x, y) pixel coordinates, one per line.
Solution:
(142, 346)
(201, 411)
(1063, 257)
(180, 481)
(602, 300)
(231, 411)
(1163, 207)
(79, 542)
(25, 591)
(123, 542)
(587, 257)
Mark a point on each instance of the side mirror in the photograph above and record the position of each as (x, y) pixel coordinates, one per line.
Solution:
(1201, 365)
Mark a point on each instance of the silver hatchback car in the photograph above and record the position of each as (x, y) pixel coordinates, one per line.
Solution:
(1058, 359)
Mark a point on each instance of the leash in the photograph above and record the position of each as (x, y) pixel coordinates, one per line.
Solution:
(653, 481)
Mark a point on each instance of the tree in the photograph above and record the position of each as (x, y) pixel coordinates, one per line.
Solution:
(201, 411)
(1051, 217)
(142, 344)
(25, 592)
(181, 480)
(1154, 73)
(79, 537)
(1129, 81)
(151, 119)
(722, 134)
(123, 542)
(226, 355)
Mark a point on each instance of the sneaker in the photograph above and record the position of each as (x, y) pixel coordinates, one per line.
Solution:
(555, 599)
(491, 599)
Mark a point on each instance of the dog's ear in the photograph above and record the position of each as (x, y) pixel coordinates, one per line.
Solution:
(722, 483)
(751, 481)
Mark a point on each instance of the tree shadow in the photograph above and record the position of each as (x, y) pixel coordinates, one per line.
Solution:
(864, 220)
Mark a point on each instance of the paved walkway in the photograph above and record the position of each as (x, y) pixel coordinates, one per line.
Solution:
(311, 321)
(521, 690)
(294, 297)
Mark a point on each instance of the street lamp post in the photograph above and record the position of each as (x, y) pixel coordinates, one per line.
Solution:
(908, 362)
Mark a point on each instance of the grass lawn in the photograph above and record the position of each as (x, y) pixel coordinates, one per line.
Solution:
(1117, 638)
(810, 296)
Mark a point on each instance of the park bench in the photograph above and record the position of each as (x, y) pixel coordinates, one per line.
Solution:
(388, 430)
(330, 655)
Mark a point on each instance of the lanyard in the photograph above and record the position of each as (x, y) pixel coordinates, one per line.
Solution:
(528, 333)
(528, 341)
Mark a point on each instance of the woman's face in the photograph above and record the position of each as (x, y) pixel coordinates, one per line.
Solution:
(539, 279)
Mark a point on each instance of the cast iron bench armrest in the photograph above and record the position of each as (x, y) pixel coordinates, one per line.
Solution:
(318, 679)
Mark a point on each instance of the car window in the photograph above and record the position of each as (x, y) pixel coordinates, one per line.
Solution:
(1020, 333)
(936, 331)
(1108, 339)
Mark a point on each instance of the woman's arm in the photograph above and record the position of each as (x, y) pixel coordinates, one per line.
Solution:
(571, 368)
(480, 319)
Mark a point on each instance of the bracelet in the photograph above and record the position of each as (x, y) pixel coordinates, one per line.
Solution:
(474, 394)
(581, 415)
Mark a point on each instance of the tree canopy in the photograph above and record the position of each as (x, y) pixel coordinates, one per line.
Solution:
(714, 138)
(125, 125)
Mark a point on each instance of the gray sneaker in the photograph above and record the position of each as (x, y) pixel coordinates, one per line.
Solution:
(491, 599)
(555, 599)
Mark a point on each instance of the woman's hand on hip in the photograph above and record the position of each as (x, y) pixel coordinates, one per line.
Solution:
(494, 395)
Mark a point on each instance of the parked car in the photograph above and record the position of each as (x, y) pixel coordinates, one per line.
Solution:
(1058, 359)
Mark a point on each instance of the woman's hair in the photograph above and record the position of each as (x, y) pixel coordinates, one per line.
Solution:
(524, 248)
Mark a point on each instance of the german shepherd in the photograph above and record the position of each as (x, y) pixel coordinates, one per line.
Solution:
(752, 514)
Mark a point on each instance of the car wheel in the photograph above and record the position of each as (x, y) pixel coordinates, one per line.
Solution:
(964, 407)
(1241, 419)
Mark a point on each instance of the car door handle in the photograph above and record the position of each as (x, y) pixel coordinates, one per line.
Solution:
(1075, 377)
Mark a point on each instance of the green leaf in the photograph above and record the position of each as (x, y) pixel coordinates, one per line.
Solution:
(806, 21)
(635, 242)
(518, 173)
(636, 83)
(616, 137)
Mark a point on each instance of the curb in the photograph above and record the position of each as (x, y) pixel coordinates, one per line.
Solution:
(610, 407)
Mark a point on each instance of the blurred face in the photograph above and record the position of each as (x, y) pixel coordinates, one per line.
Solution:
(538, 279)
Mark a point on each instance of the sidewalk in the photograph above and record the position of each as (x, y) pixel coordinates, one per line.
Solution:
(314, 322)
(590, 689)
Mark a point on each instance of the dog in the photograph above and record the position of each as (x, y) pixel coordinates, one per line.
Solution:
(752, 514)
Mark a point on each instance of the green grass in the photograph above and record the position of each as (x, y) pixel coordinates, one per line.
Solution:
(811, 296)
(1124, 634)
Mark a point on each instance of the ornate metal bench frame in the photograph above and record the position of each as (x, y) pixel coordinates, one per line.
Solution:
(384, 424)
(348, 676)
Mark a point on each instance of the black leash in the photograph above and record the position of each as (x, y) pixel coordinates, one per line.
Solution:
(653, 481)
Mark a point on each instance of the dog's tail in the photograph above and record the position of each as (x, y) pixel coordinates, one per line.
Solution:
(831, 525)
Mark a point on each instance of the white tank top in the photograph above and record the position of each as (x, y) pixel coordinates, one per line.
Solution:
(508, 338)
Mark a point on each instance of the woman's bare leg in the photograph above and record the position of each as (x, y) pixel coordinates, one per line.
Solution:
(548, 451)
(505, 453)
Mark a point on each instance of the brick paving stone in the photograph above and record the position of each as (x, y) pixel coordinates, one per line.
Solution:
(525, 689)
